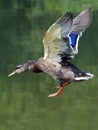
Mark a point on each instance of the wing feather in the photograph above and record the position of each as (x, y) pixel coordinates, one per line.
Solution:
(80, 23)
(54, 43)
(61, 39)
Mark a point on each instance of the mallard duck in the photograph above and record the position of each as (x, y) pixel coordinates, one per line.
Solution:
(60, 46)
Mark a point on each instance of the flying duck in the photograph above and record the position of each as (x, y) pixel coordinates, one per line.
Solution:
(61, 45)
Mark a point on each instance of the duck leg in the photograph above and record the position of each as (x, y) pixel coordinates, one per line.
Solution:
(60, 88)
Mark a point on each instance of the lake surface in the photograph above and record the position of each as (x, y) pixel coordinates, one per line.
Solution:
(24, 102)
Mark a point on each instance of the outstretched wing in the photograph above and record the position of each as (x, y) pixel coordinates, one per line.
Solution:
(80, 24)
(61, 39)
(56, 41)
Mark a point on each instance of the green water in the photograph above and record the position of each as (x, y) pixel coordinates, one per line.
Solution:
(24, 102)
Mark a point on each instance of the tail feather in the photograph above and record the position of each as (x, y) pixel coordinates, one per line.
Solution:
(87, 76)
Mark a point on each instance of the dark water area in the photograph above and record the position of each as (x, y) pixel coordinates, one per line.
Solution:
(24, 102)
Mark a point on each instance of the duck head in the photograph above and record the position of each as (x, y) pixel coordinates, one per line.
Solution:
(22, 68)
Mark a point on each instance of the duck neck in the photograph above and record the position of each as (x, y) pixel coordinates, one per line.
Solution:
(31, 65)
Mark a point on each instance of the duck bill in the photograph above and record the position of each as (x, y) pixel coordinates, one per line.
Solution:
(13, 73)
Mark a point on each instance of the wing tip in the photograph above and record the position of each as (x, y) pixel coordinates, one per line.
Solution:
(88, 11)
(90, 15)
(65, 17)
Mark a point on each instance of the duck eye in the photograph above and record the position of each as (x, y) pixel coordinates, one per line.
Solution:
(18, 66)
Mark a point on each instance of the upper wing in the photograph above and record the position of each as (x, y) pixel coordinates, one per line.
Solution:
(56, 43)
(80, 24)
(61, 39)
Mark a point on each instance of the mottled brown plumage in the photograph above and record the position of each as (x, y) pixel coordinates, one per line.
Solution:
(60, 45)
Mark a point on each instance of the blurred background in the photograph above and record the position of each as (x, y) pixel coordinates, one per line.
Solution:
(24, 102)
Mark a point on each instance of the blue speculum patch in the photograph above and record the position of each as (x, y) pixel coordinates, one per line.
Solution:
(73, 38)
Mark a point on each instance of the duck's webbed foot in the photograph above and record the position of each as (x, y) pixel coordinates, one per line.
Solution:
(60, 88)
(58, 92)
